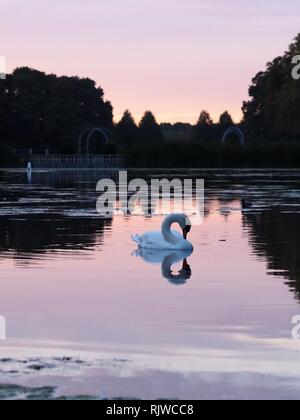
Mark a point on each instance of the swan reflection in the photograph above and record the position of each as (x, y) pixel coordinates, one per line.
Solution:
(167, 259)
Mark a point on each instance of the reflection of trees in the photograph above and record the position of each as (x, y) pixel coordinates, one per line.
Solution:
(275, 236)
(45, 234)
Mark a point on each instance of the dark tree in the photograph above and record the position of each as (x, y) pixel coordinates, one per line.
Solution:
(149, 129)
(273, 111)
(203, 130)
(126, 130)
(177, 132)
(205, 119)
(45, 111)
(226, 120)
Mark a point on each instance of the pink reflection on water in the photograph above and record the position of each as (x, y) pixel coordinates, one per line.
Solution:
(107, 296)
(103, 303)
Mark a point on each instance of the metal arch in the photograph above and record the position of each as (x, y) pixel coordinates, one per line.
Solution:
(84, 132)
(238, 132)
(89, 132)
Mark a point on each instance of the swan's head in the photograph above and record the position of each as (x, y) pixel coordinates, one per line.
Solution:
(186, 231)
(183, 221)
(185, 224)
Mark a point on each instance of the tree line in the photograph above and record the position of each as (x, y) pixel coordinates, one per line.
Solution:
(128, 132)
(43, 111)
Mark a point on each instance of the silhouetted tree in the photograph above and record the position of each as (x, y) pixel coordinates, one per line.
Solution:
(203, 130)
(126, 130)
(205, 119)
(41, 110)
(273, 111)
(149, 129)
(177, 132)
(226, 120)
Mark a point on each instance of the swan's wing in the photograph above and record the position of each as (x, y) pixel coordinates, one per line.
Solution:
(157, 256)
(136, 238)
(152, 256)
(149, 240)
(155, 240)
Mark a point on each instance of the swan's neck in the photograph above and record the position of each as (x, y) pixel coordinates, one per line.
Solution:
(166, 266)
(167, 233)
(167, 273)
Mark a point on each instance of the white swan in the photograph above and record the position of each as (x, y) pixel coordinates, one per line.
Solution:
(167, 239)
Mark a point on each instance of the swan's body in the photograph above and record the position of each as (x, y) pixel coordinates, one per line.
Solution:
(167, 239)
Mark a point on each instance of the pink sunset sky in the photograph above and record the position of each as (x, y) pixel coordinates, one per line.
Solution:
(174, 57)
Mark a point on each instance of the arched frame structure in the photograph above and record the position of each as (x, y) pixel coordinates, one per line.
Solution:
(238, 132)
(88, 133)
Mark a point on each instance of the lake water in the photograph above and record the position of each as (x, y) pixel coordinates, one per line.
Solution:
(85, 315)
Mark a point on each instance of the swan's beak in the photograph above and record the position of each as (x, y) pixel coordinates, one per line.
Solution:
(185, 231)
(185, 265)
(186, 269)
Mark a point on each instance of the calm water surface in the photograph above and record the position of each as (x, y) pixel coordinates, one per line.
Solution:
(87, 315)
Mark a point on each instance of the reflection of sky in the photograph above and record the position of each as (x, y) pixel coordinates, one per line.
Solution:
(172, 56)
(229, 317)
(2, 67)
(2, 328)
